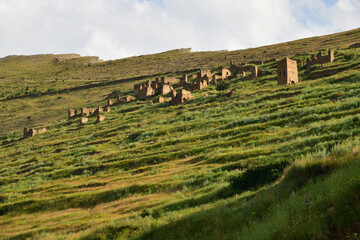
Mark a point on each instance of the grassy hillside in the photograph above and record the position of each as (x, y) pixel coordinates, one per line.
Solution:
(270, 162)
(39, 74)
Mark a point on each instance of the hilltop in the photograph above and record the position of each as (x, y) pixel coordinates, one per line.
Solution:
(266, 161)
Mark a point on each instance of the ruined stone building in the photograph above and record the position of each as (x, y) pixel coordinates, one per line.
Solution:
(85, 112)
(196, 85)
(287, 72)
(72, 114)
(150, 88)
(206, 75)
(180, 97)
(84, 120)
(242, 69)
(100, 118)
(30, 132)
(320, 59)
(166, 88)
(225, 73)
(145, 90)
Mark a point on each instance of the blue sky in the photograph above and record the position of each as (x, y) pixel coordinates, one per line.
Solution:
(330, 2)
(115, 29)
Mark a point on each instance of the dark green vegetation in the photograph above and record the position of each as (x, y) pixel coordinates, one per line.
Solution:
(270, 162)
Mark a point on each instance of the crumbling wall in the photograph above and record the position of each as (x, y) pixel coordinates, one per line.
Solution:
(166, 88)
(242, 69)
(180, 97)
(160, 100)
(84, 120)
(31, 132)
(146, 92)
(170, 80)
(72, 114)
(320, 59)
(100, 118)
(225, 73)
(85, 112)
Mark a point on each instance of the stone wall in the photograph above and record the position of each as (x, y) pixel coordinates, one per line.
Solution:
(170, 80)
(320, 59)
(166, 88)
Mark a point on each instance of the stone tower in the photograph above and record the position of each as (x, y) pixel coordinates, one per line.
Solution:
(287, 72)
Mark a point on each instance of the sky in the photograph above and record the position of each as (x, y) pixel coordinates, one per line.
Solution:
(113, 29)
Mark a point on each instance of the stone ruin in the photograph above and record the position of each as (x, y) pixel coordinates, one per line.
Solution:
(320, 59)
(98, 111)
(84, 120)
(166, 88)
(225, 73)
(205, 75)
(144, 90)
(120, 100)
(150, 88)
(100, 118)
(180, 97)
(30, 132)
(129, 98)
(196, 85)
(86, 111)
(203, 78)
(107, 109)
(72, 114)
(159, 100)
(287, 72)
(243, 68)
(91, 112)
(170, 80)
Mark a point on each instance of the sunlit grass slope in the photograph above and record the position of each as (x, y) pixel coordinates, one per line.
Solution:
(206, 169)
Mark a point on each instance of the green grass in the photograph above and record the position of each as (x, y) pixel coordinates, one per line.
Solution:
(311, 201)
(215, 167)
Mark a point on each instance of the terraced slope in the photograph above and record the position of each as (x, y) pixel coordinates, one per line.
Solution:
(149, 168)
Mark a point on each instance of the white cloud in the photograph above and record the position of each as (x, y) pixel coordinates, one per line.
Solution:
(119, 28)
(345, 14)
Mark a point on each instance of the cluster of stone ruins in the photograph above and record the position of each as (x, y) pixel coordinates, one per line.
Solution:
(287, 73)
